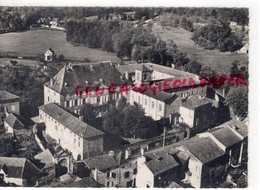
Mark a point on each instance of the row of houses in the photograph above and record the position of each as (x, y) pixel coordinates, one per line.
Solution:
(199, 162)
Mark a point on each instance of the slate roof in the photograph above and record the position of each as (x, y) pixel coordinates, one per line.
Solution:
(154, 67)
(102, 162)
(45, 157)
(226, 136)
(5, 96)
(85, 182)
(204, 149)
(19, 167)
(15, 121)
(51, 50)
(161, 96)
(66, 80)
(240, 127)
(69, 121)
(194, 102)
(161, 161)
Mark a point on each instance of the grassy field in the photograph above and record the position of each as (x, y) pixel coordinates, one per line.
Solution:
(35, 42)
(215, 59)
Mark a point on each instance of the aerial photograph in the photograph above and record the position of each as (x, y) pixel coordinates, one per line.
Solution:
(124, 97)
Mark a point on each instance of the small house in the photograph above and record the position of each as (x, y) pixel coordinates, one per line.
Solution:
(49, 55)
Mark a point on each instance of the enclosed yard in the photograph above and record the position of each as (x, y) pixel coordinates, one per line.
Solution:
(34, 42)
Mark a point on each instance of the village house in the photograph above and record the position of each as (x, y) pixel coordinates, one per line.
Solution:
(207, 162)
(159, 168)
(8, 103)
(111, 169)
(195, 111)
(232, 138)
(16, 125)
(18, 171)
(49, 55)
(157, 106)
(81, 139)
(61, 88)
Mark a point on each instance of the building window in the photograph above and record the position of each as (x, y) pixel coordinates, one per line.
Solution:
(152, 104)
(138, 76)
(127, 174)
(108, 174)
(108, 184)
(48, 99)
(135, 171)
(197, 121)
(114, 175)
(2, 109)
(160, 107)
(98, 99)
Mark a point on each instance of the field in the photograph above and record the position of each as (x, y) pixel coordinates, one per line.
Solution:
(35, 42)
(220, 62)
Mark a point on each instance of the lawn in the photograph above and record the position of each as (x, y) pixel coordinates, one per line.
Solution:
(35, 42)
(215, 59)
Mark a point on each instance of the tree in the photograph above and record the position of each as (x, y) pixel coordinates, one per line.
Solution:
(130, 121)
(237, 98)
(112, 121)
(89, 114)
(193, 67)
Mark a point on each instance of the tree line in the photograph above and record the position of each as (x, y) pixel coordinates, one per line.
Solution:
(129, 41)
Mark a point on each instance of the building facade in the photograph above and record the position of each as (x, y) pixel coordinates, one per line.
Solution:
(72, 78)
(81, 139)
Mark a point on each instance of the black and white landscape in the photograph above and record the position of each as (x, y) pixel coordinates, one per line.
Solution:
(124, 97)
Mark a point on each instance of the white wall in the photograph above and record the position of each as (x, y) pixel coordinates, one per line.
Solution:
(65, 137)
(195, 168)
(144, 177)
(146, 102)
(187, 115)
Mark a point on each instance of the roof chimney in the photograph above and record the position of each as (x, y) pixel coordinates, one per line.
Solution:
(143, 150)
(81, 118)
(111, 153)
(51, 81)
(127, 153)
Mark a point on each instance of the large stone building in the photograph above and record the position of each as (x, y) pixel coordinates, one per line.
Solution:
(61, 88)
(81, 139)
(196, 110)
(8, 103)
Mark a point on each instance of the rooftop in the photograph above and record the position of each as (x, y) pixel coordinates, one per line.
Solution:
(66, 80)
(226, 136)
(69, 121)
(102, 162)
(161, 161)
(5, 96)
(45, 157)
(18, 167)
(154, 67)
(204, 149)
(193, 102)
(161, 95)
(15, 121)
